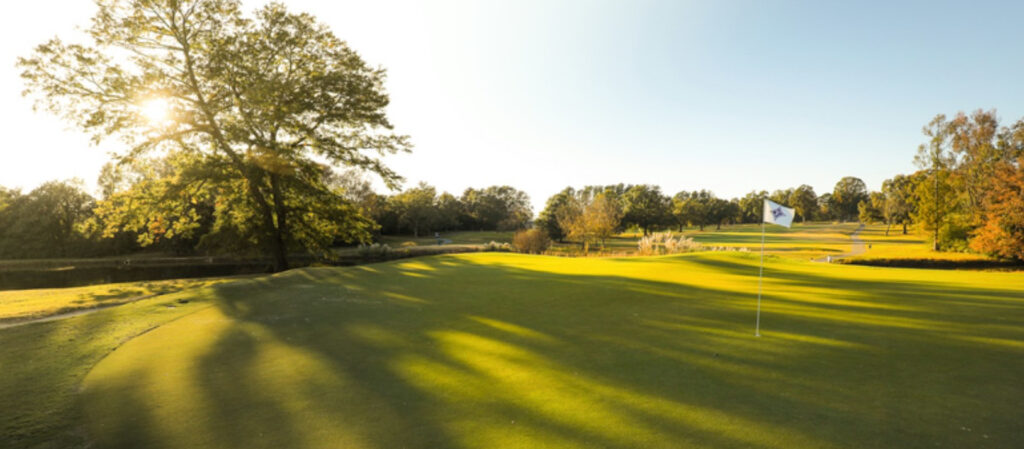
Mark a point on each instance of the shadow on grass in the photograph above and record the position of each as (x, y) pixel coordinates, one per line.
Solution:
(449, 353)
(42, 365)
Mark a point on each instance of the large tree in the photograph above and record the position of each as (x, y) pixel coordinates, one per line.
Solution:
(262, 101)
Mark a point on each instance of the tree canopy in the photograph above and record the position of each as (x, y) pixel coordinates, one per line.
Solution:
(263, 104)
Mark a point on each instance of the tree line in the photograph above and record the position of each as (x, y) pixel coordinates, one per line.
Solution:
(968, 193)
(139, 209)
(594, 213)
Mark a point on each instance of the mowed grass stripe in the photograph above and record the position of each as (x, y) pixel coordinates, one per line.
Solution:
(512, 351)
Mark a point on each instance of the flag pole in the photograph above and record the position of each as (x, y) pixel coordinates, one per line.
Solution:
(760, 276)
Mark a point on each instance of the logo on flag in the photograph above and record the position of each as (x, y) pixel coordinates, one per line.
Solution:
(777, 214)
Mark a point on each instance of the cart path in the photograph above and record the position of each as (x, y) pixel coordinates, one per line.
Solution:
(856, 249)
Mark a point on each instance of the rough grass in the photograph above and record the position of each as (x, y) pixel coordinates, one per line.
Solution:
(513, 351)
(20, 305)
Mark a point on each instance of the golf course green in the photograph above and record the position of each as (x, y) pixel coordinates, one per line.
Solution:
(490, 350)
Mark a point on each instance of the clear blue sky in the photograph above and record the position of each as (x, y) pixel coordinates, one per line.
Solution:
(728, 96)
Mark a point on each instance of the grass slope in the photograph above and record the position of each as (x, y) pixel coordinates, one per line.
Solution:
(42, 366)
(511, 351)
(20, 305)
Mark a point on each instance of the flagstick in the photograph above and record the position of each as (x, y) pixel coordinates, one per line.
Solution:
(760, 276)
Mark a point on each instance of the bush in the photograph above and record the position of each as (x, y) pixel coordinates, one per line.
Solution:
(375, 250)
(663, 243)
(408, 244)
(531, 241)
(495, 246)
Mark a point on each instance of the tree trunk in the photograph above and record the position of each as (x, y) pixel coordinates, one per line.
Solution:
(279, 248)
(904, 228)
(935, 245)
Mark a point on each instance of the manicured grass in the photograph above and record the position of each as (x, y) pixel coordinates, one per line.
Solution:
(896, 245)
(802, 241)
(510, 351)
(17, 305)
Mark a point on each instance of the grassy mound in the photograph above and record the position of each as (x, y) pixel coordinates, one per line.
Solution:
(511, 351)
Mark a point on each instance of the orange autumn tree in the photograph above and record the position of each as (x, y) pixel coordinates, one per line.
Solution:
(1002, 234)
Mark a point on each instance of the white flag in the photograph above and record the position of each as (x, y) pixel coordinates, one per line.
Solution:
(777, 214)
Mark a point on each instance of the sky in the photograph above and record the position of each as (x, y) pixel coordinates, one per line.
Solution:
(542, 94)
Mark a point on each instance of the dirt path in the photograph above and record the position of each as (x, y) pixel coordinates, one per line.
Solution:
(856, 249)
(73, 313)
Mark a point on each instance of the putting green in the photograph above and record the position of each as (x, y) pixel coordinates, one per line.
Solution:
(512, 351)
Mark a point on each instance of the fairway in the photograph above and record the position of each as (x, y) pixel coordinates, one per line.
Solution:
(509, 351)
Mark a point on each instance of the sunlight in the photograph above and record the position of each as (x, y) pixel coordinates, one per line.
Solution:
(156, 111)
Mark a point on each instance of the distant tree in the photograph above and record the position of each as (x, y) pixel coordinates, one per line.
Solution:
(975, 151)
(804, 202)
(351, 184)
(827, 207)
(557, 204)
(417, 211)
(496, 208)
(721, 211)
(46, 222)
(449, 210)
(846, 195)
(936, 198)
(781, 196)
(695, 208)
(8, 196)
(872, 210)
(752, 206)
(602, 217)
(384, 211)
(644, 206)
(1003, 232)
(899, 201)
(262, 102)
(572, 223)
